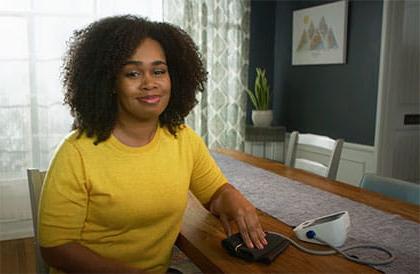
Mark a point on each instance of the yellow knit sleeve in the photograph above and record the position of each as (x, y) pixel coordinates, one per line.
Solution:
(206, 177)
(63, 203)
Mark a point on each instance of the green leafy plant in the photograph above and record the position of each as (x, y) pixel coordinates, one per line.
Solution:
(260, 96)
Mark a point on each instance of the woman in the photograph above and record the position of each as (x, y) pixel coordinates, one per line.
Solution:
(117, 186)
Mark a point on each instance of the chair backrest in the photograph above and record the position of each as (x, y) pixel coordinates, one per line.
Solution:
(35, 181)
(391, 187)
(333, 146)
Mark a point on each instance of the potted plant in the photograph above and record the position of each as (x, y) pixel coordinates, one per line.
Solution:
(260, 98)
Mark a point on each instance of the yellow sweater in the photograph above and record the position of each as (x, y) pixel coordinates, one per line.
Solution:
(122, 202)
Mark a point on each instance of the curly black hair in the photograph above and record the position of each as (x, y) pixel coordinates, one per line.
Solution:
(98, 52)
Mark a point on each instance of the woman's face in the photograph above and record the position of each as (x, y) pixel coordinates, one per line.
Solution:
(143, 85)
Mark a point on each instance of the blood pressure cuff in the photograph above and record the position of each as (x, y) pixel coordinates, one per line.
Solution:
(236, 247)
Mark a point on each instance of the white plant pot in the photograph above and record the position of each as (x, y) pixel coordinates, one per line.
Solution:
(262, 118)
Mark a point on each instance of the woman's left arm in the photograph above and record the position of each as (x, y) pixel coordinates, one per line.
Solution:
(230, 205)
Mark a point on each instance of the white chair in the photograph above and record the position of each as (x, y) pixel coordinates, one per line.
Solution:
(334, 147)
(35, 181)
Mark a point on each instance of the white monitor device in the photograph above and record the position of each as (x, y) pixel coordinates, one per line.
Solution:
(331, 228)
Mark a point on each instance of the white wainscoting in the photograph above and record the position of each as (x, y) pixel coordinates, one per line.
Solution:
(355, 161)
(269, 150)
(15, 210)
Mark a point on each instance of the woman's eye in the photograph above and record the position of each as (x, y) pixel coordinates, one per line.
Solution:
(133, 74)
(159, 71)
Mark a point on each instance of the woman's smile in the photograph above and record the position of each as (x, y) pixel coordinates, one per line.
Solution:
(149, 99)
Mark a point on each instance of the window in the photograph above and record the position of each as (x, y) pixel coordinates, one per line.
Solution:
(33, 119)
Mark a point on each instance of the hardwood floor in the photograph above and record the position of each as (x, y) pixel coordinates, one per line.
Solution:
(17, 256)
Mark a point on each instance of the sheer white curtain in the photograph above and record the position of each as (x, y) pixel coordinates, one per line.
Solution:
(32, 118)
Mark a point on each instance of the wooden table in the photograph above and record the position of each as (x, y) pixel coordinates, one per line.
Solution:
(202, 233)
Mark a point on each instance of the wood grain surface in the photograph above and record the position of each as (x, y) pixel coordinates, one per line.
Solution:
(201, 233)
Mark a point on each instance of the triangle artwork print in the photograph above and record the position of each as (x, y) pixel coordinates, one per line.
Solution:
(319, 34)
(317, 38)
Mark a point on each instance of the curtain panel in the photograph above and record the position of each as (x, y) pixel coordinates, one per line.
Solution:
(220, 28)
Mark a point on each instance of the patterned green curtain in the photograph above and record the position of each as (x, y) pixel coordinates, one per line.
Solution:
(220, 28)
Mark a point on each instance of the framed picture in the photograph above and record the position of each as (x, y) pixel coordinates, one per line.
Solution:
(319, 34)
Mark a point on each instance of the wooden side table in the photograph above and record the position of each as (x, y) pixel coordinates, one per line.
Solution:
(266, 134)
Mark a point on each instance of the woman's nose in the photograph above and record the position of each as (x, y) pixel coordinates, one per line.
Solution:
(148, 81)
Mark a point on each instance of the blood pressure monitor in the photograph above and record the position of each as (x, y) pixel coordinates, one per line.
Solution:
(332, 229)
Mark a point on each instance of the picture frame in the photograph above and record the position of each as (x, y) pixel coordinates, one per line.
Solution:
(320, 34)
